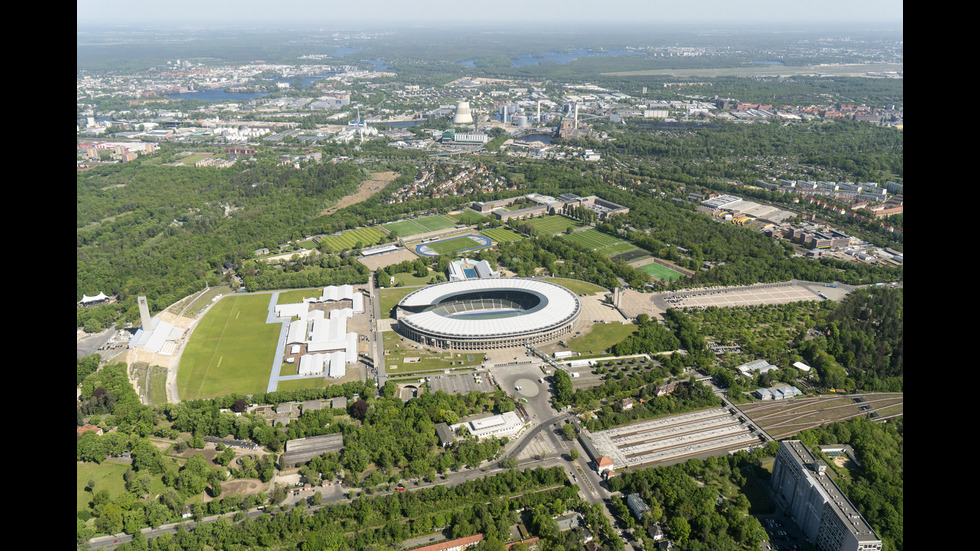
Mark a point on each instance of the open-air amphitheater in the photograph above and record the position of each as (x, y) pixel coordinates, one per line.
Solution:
(676, 438)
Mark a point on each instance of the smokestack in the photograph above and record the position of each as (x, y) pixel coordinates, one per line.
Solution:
(576, 115)
(539, 110)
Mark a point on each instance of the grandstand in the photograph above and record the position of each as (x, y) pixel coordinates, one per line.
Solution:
(482, 314)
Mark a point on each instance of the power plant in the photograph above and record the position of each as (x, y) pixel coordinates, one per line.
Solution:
(463, 114)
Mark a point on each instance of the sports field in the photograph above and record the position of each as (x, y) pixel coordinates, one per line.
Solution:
(502, 235)
(452, 246)
(593, 239)
(426, 224)
(661, 272)
(350, 238)
(231, 350)
(553, 224)
(468, 217)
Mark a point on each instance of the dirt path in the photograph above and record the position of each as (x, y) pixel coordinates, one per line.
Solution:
(367, 188)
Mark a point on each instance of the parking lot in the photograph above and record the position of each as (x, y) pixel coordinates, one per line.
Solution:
(461, 383)
(751, 295)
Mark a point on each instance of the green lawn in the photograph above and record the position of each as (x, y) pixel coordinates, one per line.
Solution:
(452, 246)
(602, 337)
(553, 224)
(390, 298)
(405, 228)
(593, 239)
(107, 476)
(409, 279)
(435, 222)
(397, 351)
(468, 217)
(350, 238)
(502, 235)
(661, 272)
(576, 286)
(231, 350)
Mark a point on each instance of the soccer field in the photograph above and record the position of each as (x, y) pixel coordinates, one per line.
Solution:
(350, 238)
(502, 235)
(451, 246)
(661, 272)
(230, 351)
(553, 224)
(593, 239)
(416, 226)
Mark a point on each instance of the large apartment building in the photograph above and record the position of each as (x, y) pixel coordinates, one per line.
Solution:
(825, 515)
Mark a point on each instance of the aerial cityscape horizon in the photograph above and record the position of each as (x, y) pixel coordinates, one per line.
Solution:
(509, 276)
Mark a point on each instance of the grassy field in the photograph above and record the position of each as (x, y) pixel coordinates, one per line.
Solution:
(408, 279)
(468, 217)
(593, 239)
(502, 235)
(425, 224)
(435, 222)
(602, 337)
(576, 286)
(231, 350)
(107, 476)
(661, 272)
(390, 298)
(453, 246)
(349, 238)
(398, 348)
(554, 224)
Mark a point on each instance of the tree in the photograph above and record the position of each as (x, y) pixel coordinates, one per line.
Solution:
(569, 431)
(573, 454)
(358, 410)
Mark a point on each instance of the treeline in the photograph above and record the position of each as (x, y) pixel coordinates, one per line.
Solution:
(861, 342)
(166, 232)
(563, 258)
(487, 505)
(865, 151)
(649, 338)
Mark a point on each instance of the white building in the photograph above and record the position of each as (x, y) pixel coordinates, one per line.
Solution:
(507, 424)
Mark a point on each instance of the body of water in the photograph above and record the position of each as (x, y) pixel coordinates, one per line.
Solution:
(544, 138)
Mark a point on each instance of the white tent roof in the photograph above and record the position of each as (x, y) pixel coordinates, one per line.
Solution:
(98, 297)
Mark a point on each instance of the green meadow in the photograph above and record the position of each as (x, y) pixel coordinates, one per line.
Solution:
(230, 351)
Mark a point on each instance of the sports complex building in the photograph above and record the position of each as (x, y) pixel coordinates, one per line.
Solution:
(485, 314)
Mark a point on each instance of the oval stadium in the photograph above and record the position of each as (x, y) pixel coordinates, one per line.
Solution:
(483, 314)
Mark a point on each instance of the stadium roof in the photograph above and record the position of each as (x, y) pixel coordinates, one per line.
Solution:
(557, 306)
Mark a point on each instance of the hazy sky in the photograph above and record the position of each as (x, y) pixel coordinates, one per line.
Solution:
(327, 12)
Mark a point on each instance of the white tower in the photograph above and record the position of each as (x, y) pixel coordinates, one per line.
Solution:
(145, 318)
(576, 115)
(463, 114)
(539, 111)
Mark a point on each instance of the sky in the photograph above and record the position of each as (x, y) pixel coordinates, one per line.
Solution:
(424, 12)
